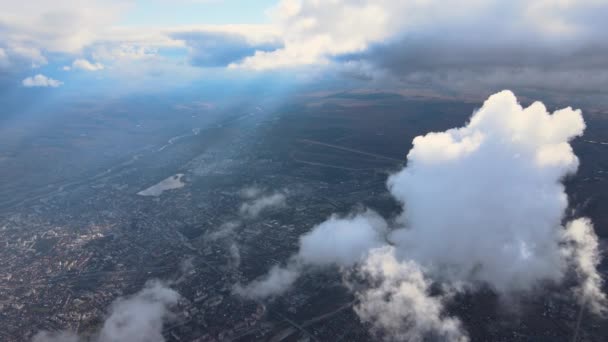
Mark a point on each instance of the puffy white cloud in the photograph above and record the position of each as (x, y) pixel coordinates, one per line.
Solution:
(313, 31)
(138, 318)
(338, 241)
(483, 206)
(342, 241)
(398, 303)
(582, 250)
(41, 81)
(493, 187)
(83, 64)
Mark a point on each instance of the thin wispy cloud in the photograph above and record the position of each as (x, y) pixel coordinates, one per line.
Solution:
(258, 201)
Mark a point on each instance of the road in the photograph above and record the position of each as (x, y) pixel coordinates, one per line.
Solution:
(314, 142)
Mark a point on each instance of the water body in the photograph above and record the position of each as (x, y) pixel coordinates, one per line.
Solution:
(171, 183)
(195, 131)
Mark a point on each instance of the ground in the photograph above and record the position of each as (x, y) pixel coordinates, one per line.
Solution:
(77, 233)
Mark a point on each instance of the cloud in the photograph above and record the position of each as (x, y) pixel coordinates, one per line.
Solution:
(448, 45)
(505, 202)
(41, 81)
(256, 205)
(457, 61)
(61, 336)
(235, 254)
(338, 241)
(398, 303)
(582, 250)
(220, 49)
(256, 201)
(83, 64)
(64, 26)
(138, 318)
(251, 192)
(15, 57)
(38, 32)
(466, 47)
(125, 51)
(226, 234)
(483, 206)
(313, 31)
(3, 58)
(342, 241)
(276, 281)
(226, 230)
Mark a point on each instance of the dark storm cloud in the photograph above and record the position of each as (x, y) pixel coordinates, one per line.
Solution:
(462, 58)
(413, 54)
(218, 49)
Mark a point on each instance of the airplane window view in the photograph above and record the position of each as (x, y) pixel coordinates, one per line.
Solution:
(303, 170)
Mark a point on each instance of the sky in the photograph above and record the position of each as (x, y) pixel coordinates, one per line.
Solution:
(185, 12)
(136, 45)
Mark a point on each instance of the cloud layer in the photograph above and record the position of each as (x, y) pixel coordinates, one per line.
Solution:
(463, 45)
(315, 32)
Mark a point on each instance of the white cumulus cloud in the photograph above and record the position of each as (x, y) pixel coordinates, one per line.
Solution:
(398, 301)
(83, 64)
(343, 241)
(137, 318)
(583, 252)
(41, 81)
(485, 201)
(483, 205)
